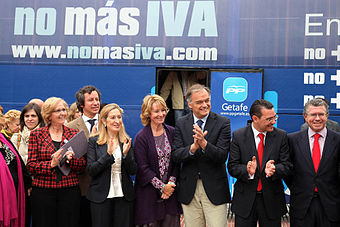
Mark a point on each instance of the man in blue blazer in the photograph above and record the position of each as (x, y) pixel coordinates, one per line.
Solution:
(259, 159)
(315, 182)
(201, 145)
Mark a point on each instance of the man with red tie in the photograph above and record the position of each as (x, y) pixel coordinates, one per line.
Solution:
(259, 159)
(315, 181)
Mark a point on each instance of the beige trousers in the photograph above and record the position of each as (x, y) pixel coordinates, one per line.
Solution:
(201, 212)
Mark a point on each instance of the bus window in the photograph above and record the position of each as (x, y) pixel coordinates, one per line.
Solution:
(172, 85)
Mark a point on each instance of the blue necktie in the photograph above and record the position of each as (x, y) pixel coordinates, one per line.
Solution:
(199, 123)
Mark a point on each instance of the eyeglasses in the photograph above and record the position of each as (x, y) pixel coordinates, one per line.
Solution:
(314, 115)
(60, 110)
(270, 119)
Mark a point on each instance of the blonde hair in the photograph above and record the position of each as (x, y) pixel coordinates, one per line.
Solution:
(72, 112)
(2, 121)
(148, 101)
(49, 106)
(102, 130)
(11, 116)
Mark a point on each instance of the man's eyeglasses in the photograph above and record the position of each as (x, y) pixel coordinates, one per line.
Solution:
(60, 110)
(270, 119)
(321, 115)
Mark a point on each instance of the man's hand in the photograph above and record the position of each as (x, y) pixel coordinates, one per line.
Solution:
(251, 166)
(270, 168)
(199, 136)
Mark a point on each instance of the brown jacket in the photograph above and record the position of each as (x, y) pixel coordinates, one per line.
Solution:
(84, 178)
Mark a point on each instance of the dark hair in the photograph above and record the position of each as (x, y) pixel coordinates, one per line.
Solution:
(195, 88)
(80, 95)
(102, 105)
(256, 107)
(37, 110)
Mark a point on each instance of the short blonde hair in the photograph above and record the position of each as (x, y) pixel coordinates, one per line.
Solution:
(102, 130)
(11, 116)
(72, 112)
(148, 101)
(49, 106)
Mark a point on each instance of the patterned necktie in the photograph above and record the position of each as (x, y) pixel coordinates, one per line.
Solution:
(260, 155)
(92, 122)
(199, 123)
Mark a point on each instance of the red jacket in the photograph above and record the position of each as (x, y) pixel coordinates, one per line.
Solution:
(40, 150)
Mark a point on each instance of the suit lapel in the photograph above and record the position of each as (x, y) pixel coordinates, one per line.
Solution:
(269, 143)
(303, 144)
(252, 145)
(81, 126)
(327, 150)
(210, 124)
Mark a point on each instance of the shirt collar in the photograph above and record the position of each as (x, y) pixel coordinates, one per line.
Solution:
(203, 119)
(323, 132)
(85, 118)
(256, 133)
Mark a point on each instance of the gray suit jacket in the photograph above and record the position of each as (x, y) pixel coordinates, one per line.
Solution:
(210, 163)
(84, 178)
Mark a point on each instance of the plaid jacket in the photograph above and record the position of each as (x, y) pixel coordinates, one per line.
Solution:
(40, 150)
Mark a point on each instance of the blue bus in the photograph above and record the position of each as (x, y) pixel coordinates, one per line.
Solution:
(286, 51)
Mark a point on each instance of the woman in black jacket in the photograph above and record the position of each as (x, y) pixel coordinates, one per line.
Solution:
(110, 162)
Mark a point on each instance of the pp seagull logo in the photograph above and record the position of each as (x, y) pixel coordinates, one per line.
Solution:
(235, 89)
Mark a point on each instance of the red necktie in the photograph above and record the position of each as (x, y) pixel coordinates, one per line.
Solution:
(316, 153)
(260, 155)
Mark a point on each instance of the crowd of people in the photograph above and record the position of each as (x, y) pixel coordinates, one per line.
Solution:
(179, 170)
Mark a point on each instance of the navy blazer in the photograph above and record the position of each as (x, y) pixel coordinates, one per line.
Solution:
(242, 149)
(210, 163)
(99, 164)
(303, 180)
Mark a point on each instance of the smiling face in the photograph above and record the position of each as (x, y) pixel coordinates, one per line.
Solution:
(316, 117)
(157, 114)
(266, 122)
(31, 119)
(91, 104)
(113, 121)
(59, 114)
(200, 103)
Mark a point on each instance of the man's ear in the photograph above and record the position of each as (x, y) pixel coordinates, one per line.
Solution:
(189, 105)
(255, 118)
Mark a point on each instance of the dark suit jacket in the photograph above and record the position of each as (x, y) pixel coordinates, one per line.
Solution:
(99, 167)
(210, 163)
(303, 180)
(84, 178)
(148, 208)
(242, 149)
